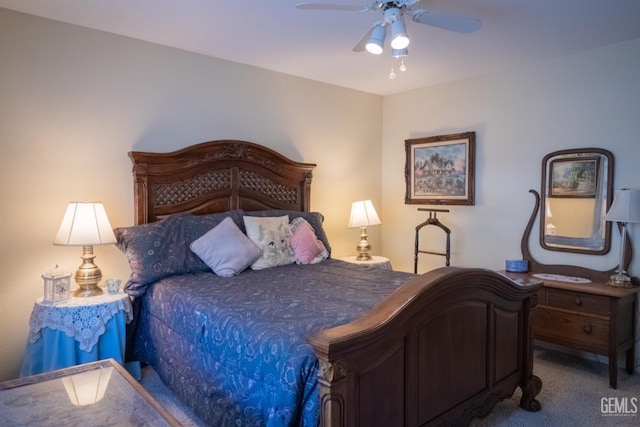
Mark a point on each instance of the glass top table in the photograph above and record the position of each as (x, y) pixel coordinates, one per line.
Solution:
(98, 393)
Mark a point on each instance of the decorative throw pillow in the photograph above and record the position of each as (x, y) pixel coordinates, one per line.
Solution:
(306, 247)
(315, 219)
(271, 235)
(225, 249)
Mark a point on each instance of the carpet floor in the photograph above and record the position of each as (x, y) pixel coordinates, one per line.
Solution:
(572, 393)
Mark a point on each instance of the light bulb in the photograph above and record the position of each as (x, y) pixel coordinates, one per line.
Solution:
(399, 37)
(400, 42)
(374, 48)
(392, 74)
(403, 67)
(376, 41)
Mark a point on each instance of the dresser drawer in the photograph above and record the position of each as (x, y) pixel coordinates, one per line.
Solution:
(577, 301)
(585, 332)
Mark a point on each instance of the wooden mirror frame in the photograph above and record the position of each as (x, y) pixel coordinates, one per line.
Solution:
(571, 270)
(603, 193)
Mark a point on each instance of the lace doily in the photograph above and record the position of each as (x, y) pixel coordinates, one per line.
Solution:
(83, 319)
(562, 278)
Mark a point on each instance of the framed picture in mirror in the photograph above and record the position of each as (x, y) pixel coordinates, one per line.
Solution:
(574, 177)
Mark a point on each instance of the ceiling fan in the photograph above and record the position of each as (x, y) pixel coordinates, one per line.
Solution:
(393, 17)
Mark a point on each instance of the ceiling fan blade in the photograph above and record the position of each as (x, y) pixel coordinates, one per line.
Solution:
(362, 44)
(332, 6)
(447, 21)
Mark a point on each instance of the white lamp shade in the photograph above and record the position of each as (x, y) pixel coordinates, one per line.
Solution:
(363, 214)
(625, 207)
(85, 224)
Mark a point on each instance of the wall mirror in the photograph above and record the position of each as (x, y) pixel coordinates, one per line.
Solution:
(577, 189)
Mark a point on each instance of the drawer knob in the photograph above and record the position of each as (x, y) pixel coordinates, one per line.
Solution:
(578, 301)
(588, 329)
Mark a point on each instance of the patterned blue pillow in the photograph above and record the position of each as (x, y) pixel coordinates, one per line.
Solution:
(161, 249)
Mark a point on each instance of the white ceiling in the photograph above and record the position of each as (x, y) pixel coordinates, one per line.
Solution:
(275, 35)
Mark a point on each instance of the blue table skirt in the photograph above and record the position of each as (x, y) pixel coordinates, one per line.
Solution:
(57, 350)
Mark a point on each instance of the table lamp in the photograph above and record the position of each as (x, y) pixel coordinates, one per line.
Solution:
(625, 208)
(363, 215)
(86, 224)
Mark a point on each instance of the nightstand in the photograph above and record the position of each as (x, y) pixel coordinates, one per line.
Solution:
(76, 331)
(375, 261)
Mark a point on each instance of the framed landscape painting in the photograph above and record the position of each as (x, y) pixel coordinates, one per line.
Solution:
(439, 170)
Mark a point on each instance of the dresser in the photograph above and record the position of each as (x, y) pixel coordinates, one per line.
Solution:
(589, 317)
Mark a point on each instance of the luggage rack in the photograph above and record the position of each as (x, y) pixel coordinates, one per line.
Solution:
(432, 220)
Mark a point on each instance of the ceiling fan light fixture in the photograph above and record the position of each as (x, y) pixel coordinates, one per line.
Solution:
(399, 37)
(375, 45)
(393, 12)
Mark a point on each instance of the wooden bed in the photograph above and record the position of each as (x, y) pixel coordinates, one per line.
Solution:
(443, 349)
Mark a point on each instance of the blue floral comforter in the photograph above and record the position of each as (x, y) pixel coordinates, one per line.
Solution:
(235, 349)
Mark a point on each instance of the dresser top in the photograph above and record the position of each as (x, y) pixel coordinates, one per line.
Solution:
(594, 287)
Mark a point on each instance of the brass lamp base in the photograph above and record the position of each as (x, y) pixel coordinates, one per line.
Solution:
(364, 248)
(620, 280)
(88, 275)
(87, 291)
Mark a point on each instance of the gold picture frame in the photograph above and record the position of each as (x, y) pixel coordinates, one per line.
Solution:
(440, 170)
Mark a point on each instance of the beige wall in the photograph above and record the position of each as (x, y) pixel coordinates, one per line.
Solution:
(75, 101)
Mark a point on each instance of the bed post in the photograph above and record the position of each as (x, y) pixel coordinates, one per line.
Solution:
(332, 382)
(531, 384)
(306, 196)
(141, 210)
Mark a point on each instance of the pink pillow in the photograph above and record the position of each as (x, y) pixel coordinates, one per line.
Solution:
(306, 247)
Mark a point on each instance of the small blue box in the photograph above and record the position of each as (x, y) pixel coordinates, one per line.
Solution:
(517, 265)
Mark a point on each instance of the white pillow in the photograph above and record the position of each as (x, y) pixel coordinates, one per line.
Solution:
(225, 249)
(271, 235)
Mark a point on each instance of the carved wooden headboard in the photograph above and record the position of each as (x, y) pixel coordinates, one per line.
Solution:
(217, 176)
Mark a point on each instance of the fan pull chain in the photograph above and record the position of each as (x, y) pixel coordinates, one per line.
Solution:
(402, 68)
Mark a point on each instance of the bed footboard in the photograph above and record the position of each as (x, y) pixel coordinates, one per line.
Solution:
(442, 349)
